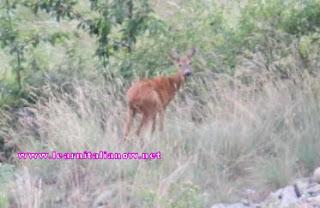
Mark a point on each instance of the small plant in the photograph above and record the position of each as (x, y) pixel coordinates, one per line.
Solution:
(186, 195)
(308, 154)
(275, 172)
(4, 202)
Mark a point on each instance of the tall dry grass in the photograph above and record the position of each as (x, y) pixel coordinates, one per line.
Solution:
(221, 137)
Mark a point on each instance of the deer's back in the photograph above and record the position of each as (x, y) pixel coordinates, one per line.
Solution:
(149, 95)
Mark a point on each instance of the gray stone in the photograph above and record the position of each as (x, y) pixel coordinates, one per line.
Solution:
(286, 196)
(313, 190)
(235, 205)
(316, 175)
(305, 193)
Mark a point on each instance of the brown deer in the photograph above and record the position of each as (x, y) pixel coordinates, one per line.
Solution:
(151, 96)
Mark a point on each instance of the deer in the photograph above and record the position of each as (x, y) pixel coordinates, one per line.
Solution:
(150, 97)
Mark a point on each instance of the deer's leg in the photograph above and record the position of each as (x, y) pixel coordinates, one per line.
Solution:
(161, 114)
(131, 114)
(153, 123)
(144, 120)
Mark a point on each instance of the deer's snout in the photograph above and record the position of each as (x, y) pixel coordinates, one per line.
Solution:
(186, 70)
(187, 73)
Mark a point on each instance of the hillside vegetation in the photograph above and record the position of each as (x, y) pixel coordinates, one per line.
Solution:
(248, 118)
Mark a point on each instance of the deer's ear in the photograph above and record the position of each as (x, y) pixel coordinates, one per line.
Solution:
(174, 55)
(191, 52)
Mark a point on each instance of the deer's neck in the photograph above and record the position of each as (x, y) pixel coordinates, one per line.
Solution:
(168, 86)
(177, 81)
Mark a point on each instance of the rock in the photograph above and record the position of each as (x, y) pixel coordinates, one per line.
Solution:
(302, 184)
(304, 193)
(286, 196)
(236, 205)
(314, 201)
(316, 175)
(313, 190)
(254, 197)
(219, 206)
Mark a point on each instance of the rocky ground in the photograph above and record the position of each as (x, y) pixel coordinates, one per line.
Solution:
(303, 193)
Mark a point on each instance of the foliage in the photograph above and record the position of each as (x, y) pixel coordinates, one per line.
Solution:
(247, 118)
(132, 39)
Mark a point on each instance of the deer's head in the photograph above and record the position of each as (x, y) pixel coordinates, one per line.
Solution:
(183, 63)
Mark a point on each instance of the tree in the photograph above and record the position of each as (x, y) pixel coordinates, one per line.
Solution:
(131, 16)
(9, 37)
